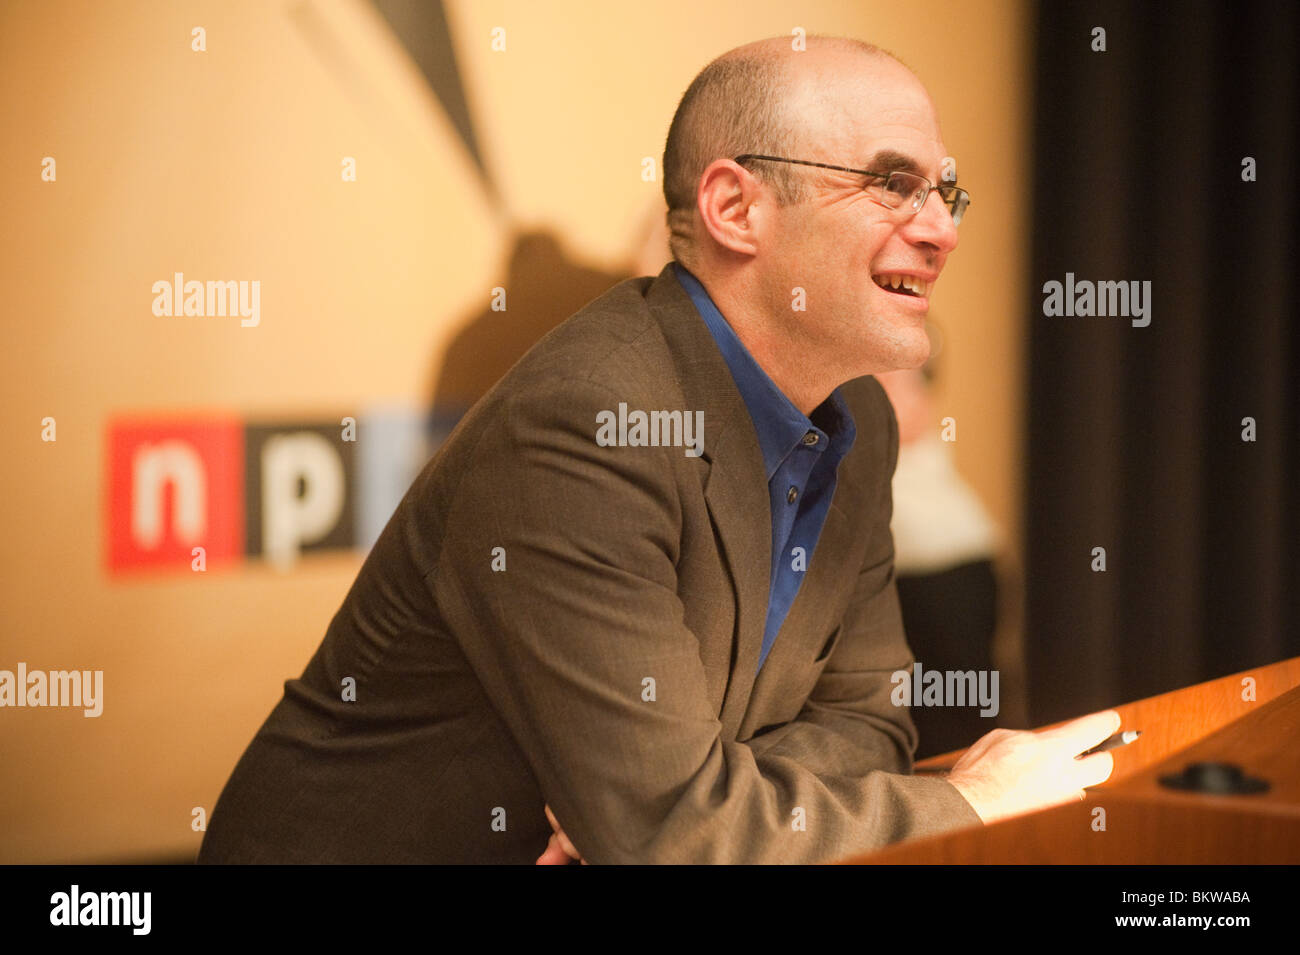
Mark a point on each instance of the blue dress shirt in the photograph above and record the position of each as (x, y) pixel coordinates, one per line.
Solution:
(801, 455)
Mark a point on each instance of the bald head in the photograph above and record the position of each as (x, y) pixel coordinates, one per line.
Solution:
(753, 99)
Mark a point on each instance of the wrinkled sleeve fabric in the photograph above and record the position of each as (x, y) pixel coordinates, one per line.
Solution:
(576, 618)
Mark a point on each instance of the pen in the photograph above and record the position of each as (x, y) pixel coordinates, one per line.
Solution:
(1119, 739)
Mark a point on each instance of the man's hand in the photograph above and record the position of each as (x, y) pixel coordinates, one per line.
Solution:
(1007, 773)
(559, 850)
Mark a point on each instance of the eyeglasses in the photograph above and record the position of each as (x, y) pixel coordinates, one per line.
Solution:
(900, 190)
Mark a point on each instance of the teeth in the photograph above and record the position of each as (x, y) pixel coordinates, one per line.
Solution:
(910, 282)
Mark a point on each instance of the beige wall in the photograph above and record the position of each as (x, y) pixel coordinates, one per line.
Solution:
(226, 164)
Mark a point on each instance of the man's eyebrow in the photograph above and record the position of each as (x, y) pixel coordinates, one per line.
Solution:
(890, 160)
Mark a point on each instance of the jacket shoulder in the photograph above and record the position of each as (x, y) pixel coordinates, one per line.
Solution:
(612, 341)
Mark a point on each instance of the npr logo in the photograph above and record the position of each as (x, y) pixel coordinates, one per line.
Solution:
(273, 490)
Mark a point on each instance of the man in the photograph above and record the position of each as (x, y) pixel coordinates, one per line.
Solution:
(640, 607)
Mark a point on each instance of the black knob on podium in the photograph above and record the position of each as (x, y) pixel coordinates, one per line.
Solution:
(1217, 778)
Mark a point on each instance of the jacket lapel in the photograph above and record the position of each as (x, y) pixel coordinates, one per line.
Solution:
(808, 625)
(739, 507)
(735, 489)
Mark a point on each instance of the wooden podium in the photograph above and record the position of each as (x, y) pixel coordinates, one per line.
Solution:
(1146, 823)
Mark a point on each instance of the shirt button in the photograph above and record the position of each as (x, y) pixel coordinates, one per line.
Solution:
(791, 494)
(810, 438)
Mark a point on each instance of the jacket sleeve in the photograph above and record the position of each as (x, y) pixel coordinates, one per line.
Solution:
(556, 574)
(850, 726)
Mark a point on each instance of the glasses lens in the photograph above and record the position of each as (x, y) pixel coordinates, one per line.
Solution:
(957, 201)
(902, 190)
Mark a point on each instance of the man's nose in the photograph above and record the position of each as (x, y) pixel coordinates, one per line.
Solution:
(933, 225)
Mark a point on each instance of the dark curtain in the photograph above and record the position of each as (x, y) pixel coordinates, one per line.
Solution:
(1134, 439)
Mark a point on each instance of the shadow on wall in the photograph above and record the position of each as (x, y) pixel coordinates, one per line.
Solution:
(543, 286)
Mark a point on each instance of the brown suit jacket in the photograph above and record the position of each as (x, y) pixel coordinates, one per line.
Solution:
(609, 668)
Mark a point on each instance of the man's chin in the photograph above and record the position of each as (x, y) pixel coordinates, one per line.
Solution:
(921, 354)
(912, 349)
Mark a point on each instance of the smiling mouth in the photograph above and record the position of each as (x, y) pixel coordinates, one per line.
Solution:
(902, 284)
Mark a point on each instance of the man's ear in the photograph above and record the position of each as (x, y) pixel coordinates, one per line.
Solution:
(730, 201)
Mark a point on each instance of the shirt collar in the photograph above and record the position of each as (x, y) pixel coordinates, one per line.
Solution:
(781, 426)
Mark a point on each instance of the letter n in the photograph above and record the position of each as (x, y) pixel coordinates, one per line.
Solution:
(173, 486)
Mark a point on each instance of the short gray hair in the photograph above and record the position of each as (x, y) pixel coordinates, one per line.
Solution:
(737, 104)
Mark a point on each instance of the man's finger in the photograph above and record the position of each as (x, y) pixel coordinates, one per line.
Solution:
(566, 845)
(1085, 732)
(1095, 769)
(563, 840)
(554, 854)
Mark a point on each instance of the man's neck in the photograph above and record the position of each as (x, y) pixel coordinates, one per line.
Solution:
(784, 364)
(785, 361)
